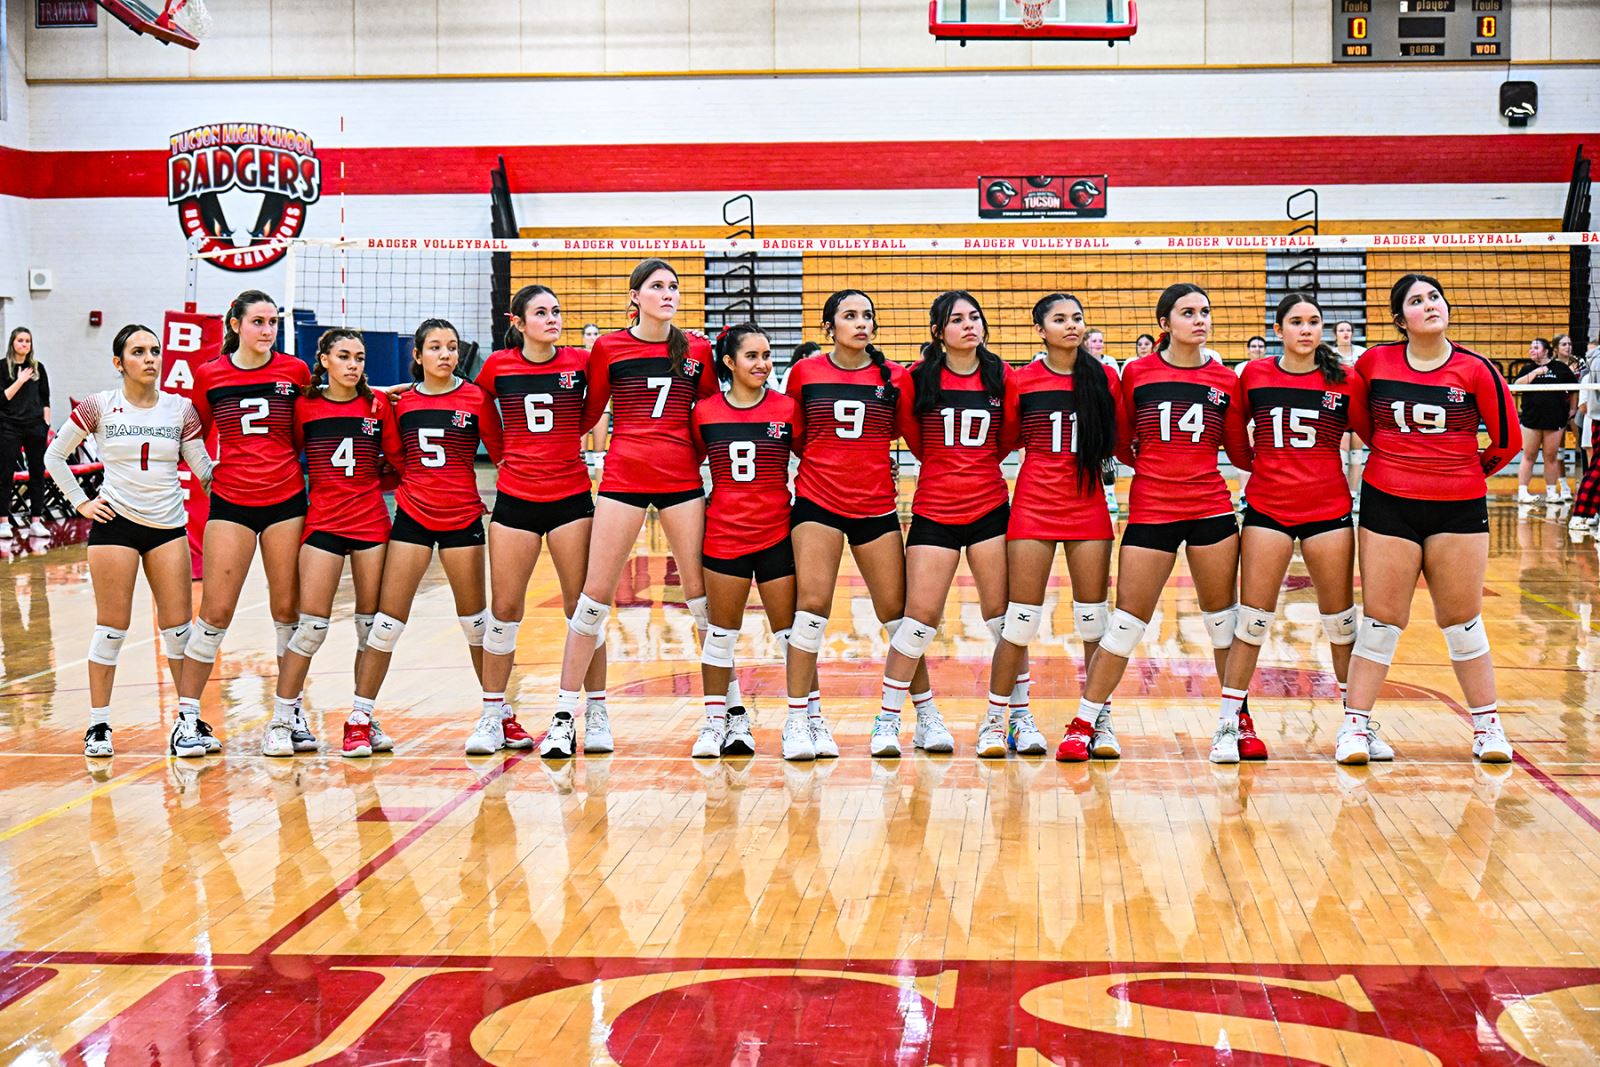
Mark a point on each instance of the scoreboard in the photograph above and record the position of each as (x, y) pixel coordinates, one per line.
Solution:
(1419, 31)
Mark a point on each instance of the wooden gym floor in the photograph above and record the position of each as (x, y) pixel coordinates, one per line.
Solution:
(645, 908)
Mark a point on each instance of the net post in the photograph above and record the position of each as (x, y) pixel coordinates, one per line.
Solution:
(290, 261)
(191, 282)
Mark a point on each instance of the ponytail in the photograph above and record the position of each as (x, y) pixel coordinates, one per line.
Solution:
(1095, 411)
(1164, 341)
(927, 376)
(1327, 357)
(236, 310)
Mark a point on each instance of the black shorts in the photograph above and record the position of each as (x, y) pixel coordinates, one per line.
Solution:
(1303, 531)
(337, 544)
(660, 501)
(1418, 520)
(1170, 536)
(258, 517)
(856, 531)
(926, 531)
(767, 565)
(413, 532)
(135, 535)
(540, 517)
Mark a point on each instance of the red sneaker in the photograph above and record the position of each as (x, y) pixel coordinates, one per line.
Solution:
(516, 736)
(357, 740)
(1074, 747)
(1250, 746)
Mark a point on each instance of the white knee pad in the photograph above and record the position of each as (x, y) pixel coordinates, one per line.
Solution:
(1021, 623)
(1221, 624)
(1091, 619)
(174, 639)
(500, 638)
(308, 635)
(997, 626)
(782, 637)
(363, 631)
(285, 631)
(1340, 627)
(474, 626)
(589, 617)
(892, 627)
(106, 645)
(808, 631)
(1253, 625)
(1376, 640)
(204, 641)
(386, 631)
(717, 649)
(1467, 640)
(698, 612)
(912, 638)
(1123, 632)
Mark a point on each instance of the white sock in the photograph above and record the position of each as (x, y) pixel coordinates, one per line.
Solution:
(894, 696)
(814, 704)
(99, 716)
(282, 711)
(1232, 701)
(189, 708)
(922, 700)
(494, 704)
(997, 707)
(1088, 710)
(798, 707)
(1356, 721)
(361, 711)
(1019, 695)
(735, 698)
(1344, 691)
(1485, 717)
(716, 709)
(598, 696)
(566, 702)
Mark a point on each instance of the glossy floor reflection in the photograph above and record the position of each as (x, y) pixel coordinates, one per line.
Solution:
(646, 908)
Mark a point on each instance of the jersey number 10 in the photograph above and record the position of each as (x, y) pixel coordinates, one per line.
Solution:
(974, 427)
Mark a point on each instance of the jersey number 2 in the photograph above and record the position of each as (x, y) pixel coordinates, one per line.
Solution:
(254, 408)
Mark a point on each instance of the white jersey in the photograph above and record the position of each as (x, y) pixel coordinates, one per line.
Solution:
(139, 448)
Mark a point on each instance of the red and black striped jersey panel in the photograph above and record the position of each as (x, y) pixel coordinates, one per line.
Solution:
(650, 450)
(252, 413)
(440, 437)
(1046, 413)
(541, 408)
(1177, 418)
(347, 446)
(960, 446)
(747, 450)
(1299, 423)
(851, 419)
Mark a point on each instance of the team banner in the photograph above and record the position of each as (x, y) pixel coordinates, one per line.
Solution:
(189, 339)
(1043, 197)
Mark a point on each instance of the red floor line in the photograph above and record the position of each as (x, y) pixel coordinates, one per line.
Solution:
(366, 870)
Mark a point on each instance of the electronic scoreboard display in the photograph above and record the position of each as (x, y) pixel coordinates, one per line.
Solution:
(1412, 31)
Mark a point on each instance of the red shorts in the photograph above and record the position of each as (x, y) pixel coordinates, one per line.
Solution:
(1083, 519)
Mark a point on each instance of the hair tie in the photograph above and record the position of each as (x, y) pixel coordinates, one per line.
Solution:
(723, 333)
(1161, 342)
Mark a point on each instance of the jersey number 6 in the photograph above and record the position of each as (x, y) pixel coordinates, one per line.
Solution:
(540, 419)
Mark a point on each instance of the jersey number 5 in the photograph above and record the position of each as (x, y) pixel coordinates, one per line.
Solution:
(1192, 421)
(432, 452)
(253, 408)
(1425, 418)
(742, 460)
(853, 413)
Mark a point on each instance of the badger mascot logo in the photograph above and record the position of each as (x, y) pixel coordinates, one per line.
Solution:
(239, 186)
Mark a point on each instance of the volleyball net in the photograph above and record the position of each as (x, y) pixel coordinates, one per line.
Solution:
(1504, 288)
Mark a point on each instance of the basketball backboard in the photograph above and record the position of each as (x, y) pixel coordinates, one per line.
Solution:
(1057, 20)
(156, 21)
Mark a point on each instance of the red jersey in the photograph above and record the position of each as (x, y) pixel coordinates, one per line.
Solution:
(650, 448)
(961, 443)
(748, 450)
(1050, 503)
(1173, 421)
(1298, 473)
(252, 412)
(440, 436)
(850, 419)
(1422, 426)
(541, 409)
(347, 443)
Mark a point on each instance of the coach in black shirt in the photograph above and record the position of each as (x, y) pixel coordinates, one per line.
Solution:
(24, 422)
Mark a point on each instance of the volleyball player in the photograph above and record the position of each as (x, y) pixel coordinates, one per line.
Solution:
(1300, 407)
(1544, 417)
(1178, 406)
(442, 422)
(747, 434)
(350, 438)
(247, 395)
(542, 490)
(1344, 343)
(960, 391)
(853, 404)
(1423, 509)
(138, 514)
(1064, 407)
(652, 373)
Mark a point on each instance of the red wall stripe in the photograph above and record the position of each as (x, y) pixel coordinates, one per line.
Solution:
(1159, 162)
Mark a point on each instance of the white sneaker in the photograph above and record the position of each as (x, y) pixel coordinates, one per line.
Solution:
(1111, 500)
(1491, 745)
(37, 528)
(822, 742)
(300, 732)
(207, 738)
(560, 740)
(185, 739)
(488, 737)
(97, 741)
(1525, 497)
(597, 728)
(931, 734)
(886, 736)
(1024, 737)
(709, 744)
(278, 740)
(1225, 743)
(1105, 744)
(6, 533)
(797, 739)
(1351, 747)
(739, 741)
(381, 742)
(1565, 492)
(1552, 495)
(991, 738)
(1379, 749)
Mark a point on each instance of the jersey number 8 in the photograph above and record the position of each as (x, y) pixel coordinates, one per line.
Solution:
(1425, 418)
(742, 460)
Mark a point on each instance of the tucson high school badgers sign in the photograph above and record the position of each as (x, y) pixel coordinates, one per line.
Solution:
(238, 185)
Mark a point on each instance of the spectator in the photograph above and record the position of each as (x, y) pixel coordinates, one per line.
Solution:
(1544, 423)
(24, 423)
(1344, 342)
(1143, 345)
(591, 334)
(1254, 349)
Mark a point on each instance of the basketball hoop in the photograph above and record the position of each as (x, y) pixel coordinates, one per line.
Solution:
(1032, 13)
(189, 15)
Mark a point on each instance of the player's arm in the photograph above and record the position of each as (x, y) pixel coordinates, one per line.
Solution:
(192, 447)
(1499, 411)
(73, 432)
(1236, 429)
(697, 440)
(1010, 417)
(394, 450)
(598, 393)
(490, 432)
(1360, 399)
(1127, 436)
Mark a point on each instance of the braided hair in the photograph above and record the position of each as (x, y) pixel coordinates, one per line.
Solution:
(830, 308)
(319, 370)
(1327, 357)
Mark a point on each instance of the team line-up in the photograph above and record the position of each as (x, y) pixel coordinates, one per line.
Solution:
(678, 401)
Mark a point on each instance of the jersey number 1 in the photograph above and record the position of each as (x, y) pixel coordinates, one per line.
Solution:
(1055, 430)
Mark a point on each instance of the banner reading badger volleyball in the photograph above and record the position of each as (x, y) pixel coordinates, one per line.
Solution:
(239, 185)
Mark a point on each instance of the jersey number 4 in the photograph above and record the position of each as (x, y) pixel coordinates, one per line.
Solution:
(344, 457)
(1425, 418)
(1192, 421)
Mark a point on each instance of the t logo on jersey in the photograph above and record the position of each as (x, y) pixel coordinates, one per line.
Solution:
(1216, 396)
(568, 379)
(994, 401)
(369, 427)
(775, 429)
(285, 388)
(459, 419)
(1456, 395)
(1330, 401)
(878, 393)
(691, 368)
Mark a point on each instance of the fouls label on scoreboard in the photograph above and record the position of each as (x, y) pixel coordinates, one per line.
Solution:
(1043, 197)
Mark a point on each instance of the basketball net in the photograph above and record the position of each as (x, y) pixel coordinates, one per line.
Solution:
(1033, 13)
(189, 15)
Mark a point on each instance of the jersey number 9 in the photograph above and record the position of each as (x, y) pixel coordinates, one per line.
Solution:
(850, 412)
